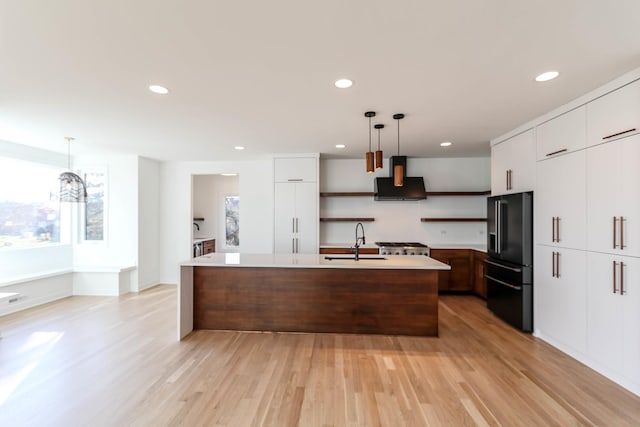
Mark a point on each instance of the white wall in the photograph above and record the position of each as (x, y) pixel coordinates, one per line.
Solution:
(208, 203)
(148, 224)
(400, 221)
(176, 216)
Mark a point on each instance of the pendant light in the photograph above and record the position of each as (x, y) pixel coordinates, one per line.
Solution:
(72, 187)
(369, 155)
(398, 170)
(379, 151)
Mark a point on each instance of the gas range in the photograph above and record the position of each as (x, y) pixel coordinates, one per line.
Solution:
(402, 248)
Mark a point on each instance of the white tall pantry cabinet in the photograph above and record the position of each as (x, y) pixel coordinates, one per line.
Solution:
(296, 194)
(587, 229)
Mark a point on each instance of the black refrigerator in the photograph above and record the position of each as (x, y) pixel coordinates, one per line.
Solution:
(510, 258)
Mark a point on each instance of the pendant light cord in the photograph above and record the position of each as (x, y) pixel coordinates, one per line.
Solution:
(398, 120)
(369, 133)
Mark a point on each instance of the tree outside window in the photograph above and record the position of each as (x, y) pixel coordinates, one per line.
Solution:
(232, 220)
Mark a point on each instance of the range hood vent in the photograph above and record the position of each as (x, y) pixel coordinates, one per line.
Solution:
(413, 188)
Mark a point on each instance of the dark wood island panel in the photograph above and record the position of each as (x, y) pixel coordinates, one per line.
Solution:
(362, 301)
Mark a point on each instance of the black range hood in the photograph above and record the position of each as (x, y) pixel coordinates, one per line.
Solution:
(413, 188)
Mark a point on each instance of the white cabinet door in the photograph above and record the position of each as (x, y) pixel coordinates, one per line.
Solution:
(513, 164)
(306, 218)
(613, 197)
(284, 218)
(563, 134)
(631, 319)
(614, 313)
(560, 296)
(560, 201)
(614, 115)
(295, 169)
(296, 218)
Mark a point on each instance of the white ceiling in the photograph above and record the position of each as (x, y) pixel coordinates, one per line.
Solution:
(260, 73)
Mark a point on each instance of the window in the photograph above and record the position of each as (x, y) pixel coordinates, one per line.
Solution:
(94, 209)
(29, 214)
(232, 220)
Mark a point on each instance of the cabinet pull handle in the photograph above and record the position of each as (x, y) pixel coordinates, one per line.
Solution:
(615, 242)
(293, 225)
(558, 265)
(510, 179)
(621, 278)
(553, 264)
(622, 233)
(619, 133)
(615, 265)
(558, 229)
(297, 250)
(556, 152)
(553, 228)
(295, 179)
(293, 245)
(297, 224)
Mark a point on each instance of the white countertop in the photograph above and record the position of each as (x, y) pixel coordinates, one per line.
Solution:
(201, 239)
(315, 261)
(475, 246)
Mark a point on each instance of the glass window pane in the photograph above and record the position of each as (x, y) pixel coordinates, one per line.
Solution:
(232, 220)
(94, 213)
(29, 213)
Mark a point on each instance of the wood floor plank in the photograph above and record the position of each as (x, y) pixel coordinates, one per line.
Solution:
(114, 361)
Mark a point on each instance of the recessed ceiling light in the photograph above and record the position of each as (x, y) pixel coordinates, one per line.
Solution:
(340, 145)
(159, 89)
(239, 147)
(229, 174)
(549, 75)
(343, 83)
(446, 144)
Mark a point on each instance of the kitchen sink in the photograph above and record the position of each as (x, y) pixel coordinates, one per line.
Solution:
(331, 258)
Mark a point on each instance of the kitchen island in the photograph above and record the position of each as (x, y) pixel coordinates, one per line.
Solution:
(395, 295)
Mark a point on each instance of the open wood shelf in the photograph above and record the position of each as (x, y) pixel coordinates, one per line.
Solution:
(429, 193)
(453, 219)
(347, 219)
(458, 193)
(347, 194)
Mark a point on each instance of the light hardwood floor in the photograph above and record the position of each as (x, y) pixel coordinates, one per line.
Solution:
(114, 361)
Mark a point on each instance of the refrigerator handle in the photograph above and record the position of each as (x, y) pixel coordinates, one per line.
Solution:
(498, 227)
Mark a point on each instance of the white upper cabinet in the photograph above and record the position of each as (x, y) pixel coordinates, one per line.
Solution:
(614, 115)
(513, 164)
(295, 169)
(613, 197)
(563, 134)
(560, 201)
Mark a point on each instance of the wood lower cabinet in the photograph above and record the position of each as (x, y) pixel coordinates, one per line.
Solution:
(479, 271)
(208, 246)
(344, 251)
(459, 277)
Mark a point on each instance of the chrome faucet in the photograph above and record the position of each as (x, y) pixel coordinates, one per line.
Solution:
(356, 247)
